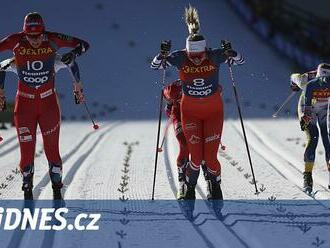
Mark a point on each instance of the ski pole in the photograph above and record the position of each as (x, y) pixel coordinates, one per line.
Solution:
(169, 121)
(242, 124)
(293, 93)
(158, 133)
(95, 126)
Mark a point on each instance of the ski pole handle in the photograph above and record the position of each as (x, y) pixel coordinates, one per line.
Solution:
(284, 103)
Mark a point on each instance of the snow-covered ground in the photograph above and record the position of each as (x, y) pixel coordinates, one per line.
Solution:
(117, 161)
(95, 161)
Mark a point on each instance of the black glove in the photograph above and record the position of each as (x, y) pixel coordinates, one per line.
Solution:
(68, 58)
(227, 49)
(294, 87)
(305, 121)
(3, 103)
(165, 48)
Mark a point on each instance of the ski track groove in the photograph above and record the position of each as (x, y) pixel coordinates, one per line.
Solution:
(261, 137)
(174, 190)
(271, 163)
(199, 190)
(7, 141)
(17, 237)
(75, 167)
(45, 180)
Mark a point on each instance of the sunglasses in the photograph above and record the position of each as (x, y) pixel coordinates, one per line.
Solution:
(34, 36)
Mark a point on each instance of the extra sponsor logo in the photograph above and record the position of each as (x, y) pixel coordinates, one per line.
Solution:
(198, 69)
(212, 138)
(64, 37)
(321, 93)
(52, 130)
(194, 139)
(34, 51)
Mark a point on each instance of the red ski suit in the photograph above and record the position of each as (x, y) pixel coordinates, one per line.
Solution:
(36, 100)
(201, 107)
(172, 94)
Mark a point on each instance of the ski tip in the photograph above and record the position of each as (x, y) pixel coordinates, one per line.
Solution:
(96, 126)
(160, 149)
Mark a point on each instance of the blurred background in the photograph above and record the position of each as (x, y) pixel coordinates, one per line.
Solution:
(276, 37)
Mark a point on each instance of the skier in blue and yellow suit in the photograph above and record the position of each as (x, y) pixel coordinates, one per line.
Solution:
(313, 109)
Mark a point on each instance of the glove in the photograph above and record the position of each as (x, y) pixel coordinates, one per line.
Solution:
(3, 104)
(305, 121)
(165, 48)
(68, 58)
(78, 93)
(227, 49)
(294, 87)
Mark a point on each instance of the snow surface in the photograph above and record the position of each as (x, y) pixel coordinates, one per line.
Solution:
(123, 95)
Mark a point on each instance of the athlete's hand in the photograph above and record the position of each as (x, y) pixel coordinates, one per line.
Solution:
(68, 58)
(294, 87)
(2, 100)
(78, 93)
(165, 48)
(305, 121)
(227, 49)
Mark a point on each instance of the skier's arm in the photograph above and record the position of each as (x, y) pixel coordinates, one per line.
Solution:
(301, 80)
(219, 56)
(73, 67)
(62, 40)
(9, 42)
(175, 58)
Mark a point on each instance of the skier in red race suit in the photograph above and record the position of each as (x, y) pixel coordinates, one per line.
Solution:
(172, 95)
(201, 104)
(36, 101)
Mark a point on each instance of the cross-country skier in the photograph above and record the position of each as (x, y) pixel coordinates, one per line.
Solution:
(36, 101)
(172, 95)
(201, 104)
(313, 109)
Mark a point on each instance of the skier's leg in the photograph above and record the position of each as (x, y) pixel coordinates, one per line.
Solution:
(322, 120)
(309, 155)
(183, 156)
(50, 121)
(212, 134)
(26, 125)
(192, 128)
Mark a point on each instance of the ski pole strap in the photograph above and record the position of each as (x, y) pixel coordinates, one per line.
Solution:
(293, 93)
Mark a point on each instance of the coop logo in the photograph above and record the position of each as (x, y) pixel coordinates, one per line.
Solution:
(38, 51)
(46, 219)
(38, 80)
(199, 93)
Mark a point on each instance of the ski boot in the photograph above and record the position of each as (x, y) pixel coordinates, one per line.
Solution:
(55, 173)
(181, 178)
(27, 186)
(214, 194)
(308, 182)
(188, 203)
